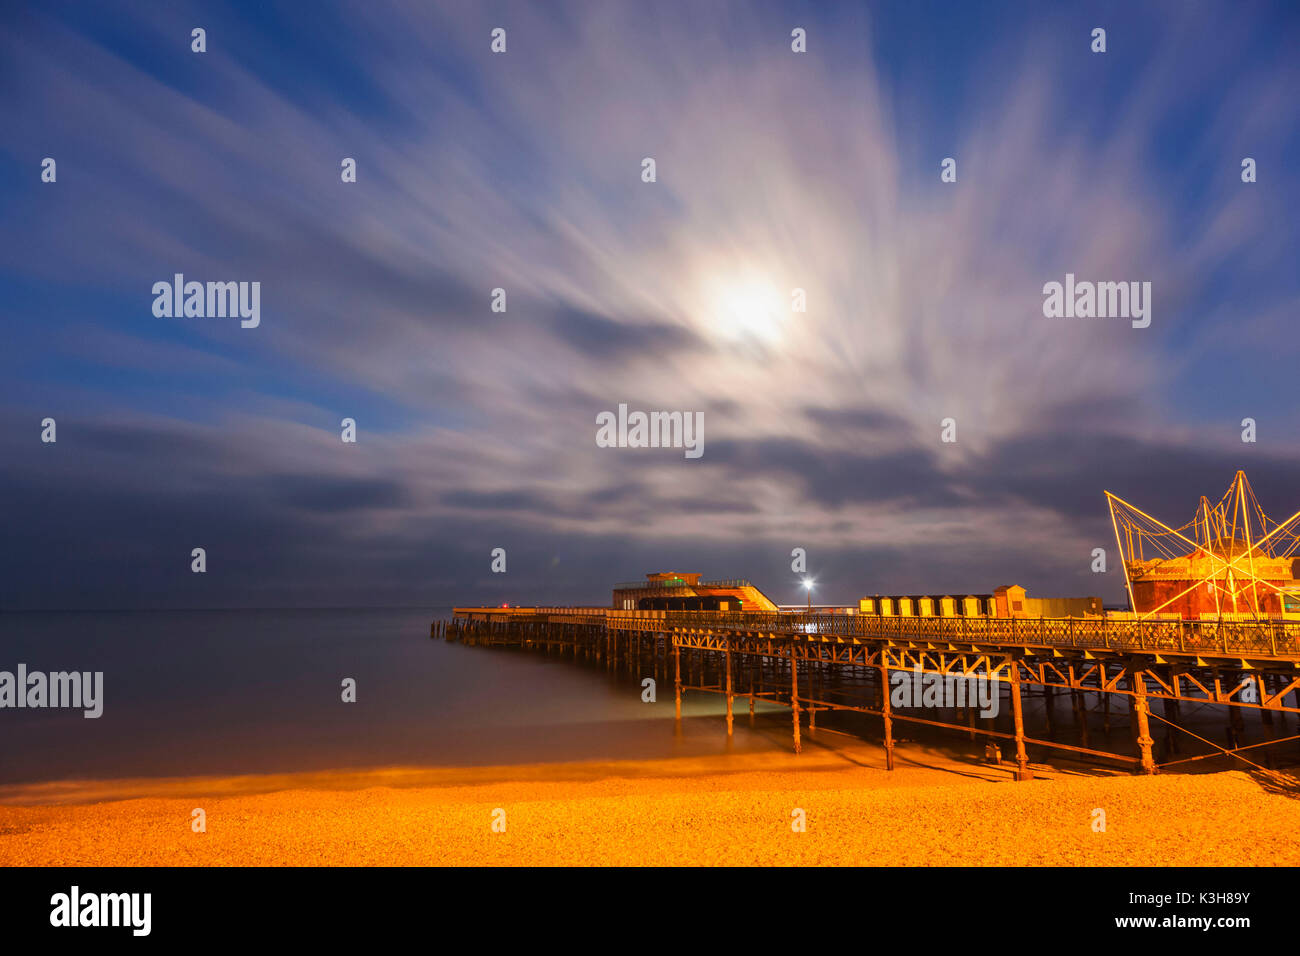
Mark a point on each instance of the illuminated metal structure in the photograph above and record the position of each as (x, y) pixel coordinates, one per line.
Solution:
(1231, 561)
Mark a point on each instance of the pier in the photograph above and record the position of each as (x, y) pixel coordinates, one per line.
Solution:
(814, 663)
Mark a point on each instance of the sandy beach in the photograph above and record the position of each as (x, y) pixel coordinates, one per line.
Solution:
(723, 810)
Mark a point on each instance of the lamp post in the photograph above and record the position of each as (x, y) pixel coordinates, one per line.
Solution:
(808, 585)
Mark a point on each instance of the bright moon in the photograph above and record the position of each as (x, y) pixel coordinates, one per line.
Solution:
(749, 308)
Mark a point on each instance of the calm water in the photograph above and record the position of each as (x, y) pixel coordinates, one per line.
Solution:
(226, 692)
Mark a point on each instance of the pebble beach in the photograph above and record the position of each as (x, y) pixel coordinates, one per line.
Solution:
(824, 807)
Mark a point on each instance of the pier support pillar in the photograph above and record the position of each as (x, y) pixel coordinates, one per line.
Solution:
(677, 678)
(1140, 711)
(729, 694)
(1173, 714)
(885, 711)
(1105, 703)
(1236, 725)
(756, 671)
(794, 697)
(812, 695)
(1022, 758)
(1265, 715)
(1081, 712)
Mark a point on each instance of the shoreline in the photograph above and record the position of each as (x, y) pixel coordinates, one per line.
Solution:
(724, 809)
(922, 760)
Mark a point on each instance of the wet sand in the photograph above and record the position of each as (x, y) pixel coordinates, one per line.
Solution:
(730, 809)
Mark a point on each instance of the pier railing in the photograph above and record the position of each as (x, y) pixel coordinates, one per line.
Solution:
(1267, 638)
(1246, 638)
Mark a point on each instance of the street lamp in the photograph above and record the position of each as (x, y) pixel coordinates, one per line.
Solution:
(808, 584)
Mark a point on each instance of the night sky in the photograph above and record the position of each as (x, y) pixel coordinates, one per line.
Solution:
(523, 171)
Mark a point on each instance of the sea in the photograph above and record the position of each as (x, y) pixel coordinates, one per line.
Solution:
(227, 692)
(233, 692)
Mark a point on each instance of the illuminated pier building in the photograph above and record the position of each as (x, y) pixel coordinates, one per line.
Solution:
(684, 591)
(1007, 601)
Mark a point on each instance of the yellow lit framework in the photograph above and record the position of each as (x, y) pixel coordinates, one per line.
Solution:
(1237, 517)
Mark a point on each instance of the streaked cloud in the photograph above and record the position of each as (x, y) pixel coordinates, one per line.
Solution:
(522, 172)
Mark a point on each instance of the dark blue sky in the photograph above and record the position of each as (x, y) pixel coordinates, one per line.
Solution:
(776, 170)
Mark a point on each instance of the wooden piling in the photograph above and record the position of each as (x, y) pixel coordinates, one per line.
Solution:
(794, 696)
(886, 713)
(1105, 702)
(755, 673)
(1236, 725)
(1140, 706)
(1173, 716)
(677, 677)
(813, 695)
(1022, 758)
(729, 695)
